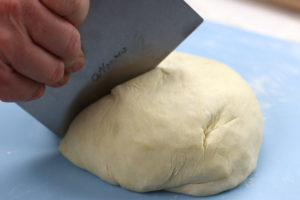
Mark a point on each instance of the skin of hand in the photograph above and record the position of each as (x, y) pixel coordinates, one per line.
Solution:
(39, 45)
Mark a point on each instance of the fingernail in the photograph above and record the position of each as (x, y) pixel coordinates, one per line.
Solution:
(63, 81)
(75, 65)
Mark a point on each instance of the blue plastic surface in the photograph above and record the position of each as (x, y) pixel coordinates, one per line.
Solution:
(31, 168)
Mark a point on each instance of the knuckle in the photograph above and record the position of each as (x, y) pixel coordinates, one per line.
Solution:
(57, 73)
(11, 8)
(13, 31)
(74, 44)
(30, 11)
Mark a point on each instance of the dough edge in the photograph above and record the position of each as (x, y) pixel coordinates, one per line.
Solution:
(201, 189)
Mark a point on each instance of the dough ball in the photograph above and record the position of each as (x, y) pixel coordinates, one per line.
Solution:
(191, 125)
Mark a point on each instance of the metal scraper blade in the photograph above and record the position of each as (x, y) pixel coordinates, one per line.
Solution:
(121, 39)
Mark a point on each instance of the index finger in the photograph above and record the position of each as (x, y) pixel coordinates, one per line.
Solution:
(75, 11)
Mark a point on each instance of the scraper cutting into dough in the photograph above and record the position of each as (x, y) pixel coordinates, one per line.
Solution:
(190, 125)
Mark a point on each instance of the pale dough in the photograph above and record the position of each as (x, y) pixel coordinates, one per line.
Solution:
(192, 126)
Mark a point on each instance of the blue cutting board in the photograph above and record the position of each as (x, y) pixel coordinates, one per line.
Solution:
(31, 167)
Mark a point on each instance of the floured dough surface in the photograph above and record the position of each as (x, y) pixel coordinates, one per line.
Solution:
(191, 125)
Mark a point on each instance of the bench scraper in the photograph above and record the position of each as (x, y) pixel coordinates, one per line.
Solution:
(121, 39)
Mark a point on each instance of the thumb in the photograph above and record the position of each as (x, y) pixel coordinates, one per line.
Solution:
(75, 11)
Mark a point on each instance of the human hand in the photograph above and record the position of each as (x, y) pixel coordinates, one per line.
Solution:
(39, 45)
